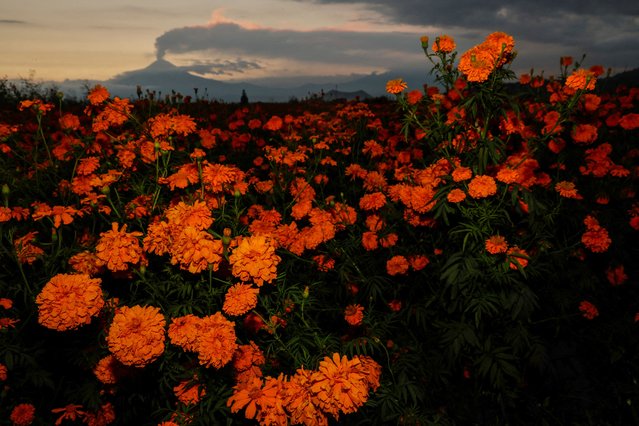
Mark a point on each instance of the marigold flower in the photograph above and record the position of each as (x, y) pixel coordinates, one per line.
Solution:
(98, 94)
(239, 299)
(117, 249)
(136, 335)
(249, 395)
(396, 86)
(273, 124)
(414, 96)
(372, 201)
(444, 44)
(456, 195)
(581, 79)
(197, 215)
(354, 314)
(596, 239)
(68, 301)
(461, 173)
(496, 244)
(3, 372)
(482, 186)
(71, 412)
(184, 331)
(248, 357)
(217, 342)
(196, 250)
(26, 251)
(22, 414)
(103, 416)
(108, 370)
(518, 258)
(339, 385)
(189, 392)
(629, 121)
(567, 190)
(477, 63)
(254, 259)
(507, 175)
(300, 402)
(588, 310)
(397, 265)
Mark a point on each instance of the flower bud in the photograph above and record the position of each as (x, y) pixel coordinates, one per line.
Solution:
(5, 190)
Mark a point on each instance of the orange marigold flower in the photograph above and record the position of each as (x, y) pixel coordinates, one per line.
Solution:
(98, 94)
(567, 189)
(136, 335)
(517, 257)
(6, 303)
(184, 331)
(339, 385)
(354, 314)
(477, 63)
(507, 175)
(372, 201)
(117, 248)
(456, 195)
(461, 173)
(372, 371)
(254, 259)
(69, 122)
(196, 250)
(482, 186)
(300, 402)
(581, 79)
(370, 240)
(596, 237)
(68, 301)
(240, 299)
(108, 370)
(588, 310)
(584, 133)
(418, 262)
(103, 416)
(503, 45)
(273, 124)
(397, 265)
(217, 342)
(248, 357)
(197, 215)
(629, 121)
(444, 44)
(396, 86)
(248, 395)
(71, 412)
(22, 414)
(414, 96)
(26, 252)
(114, 114)
(189, 392)
(496, 244)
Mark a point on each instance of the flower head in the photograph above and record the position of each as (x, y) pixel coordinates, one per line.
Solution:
(68, 301)
(396, 86)
(216, 342)
(240, 299)
(254, 259)
(444, 44)
(136, 335)
(22, 414)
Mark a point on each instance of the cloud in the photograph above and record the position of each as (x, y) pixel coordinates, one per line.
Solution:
(578, 26)
(12, 22)
(224, 67)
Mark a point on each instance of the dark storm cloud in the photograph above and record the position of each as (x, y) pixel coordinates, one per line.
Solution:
(326, 46)
(604, 30)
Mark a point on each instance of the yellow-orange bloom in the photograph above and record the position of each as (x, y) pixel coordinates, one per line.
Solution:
(477, 63)
(184, 331)
(136, 335)
(300, 402)
(117, 249)
(98, 94)
(189, 392)
(482, 186)
(254, 259)
(108, 370)
(444, 44)
(196, 250)
(216, 342)
(496, 244)
(581, 79)
(68, 301)
(240, 299)
(339, 385)
(396, 86)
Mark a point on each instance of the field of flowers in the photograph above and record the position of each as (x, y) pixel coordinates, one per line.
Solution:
(463, 254)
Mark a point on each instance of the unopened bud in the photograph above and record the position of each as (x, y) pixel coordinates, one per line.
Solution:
(305, 293)
(5, 190)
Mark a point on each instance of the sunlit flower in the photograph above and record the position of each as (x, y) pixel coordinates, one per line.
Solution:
(396, 86)
(477, 63)
(68, 301)
(136, 335)
(444, 44)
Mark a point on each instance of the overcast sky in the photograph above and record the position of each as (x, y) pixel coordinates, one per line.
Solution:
(246, 39)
